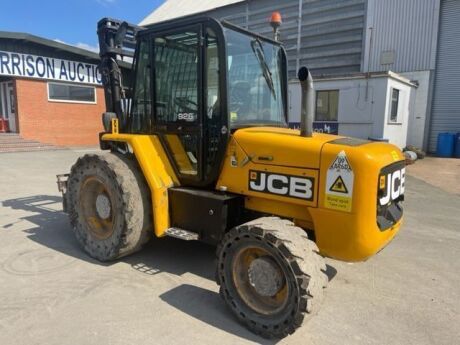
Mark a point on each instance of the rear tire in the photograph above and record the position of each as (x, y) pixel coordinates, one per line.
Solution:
(271, 276)
(109, 205)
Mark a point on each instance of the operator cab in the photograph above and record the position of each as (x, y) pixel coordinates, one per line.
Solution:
(196, 81)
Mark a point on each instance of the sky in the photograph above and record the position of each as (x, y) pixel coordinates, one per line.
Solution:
(70, 21)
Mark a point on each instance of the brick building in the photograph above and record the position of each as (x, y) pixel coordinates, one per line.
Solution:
(50, 92)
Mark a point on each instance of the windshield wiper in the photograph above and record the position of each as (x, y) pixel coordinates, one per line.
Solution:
(258, 50)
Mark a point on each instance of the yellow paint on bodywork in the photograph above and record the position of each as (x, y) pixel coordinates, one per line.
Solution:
(157, 170)
(351, 234)
(235, 179)
(180, 155)
(285, 145)
(354, 236)
(115, 128)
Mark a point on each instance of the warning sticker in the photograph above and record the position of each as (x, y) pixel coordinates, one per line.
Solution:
(339, 184)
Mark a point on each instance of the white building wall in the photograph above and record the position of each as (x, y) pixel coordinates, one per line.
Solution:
(364, 107)
(419, 107)
(355, 113)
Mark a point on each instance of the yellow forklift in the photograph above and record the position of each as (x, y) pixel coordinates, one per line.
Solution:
(198, 148)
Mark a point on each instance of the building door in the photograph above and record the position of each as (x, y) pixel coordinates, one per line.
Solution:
(8, 104)
(445, 114)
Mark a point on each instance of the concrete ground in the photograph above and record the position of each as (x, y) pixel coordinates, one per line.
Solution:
(52, 293)
(440, 172)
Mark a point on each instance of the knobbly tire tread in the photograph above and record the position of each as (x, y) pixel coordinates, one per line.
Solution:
(133, 223)
(302, 257)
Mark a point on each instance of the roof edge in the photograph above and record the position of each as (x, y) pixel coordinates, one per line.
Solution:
(362, 75)
(198, 13)
(49, 43)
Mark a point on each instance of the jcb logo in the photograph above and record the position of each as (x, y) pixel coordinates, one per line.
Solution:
(285, 185)
(392, 185)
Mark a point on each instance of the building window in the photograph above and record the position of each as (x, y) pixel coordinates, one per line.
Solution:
(59, 92)
(327, 105)
(394, 105)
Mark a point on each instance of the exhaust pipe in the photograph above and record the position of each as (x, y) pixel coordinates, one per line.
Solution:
(307, 102)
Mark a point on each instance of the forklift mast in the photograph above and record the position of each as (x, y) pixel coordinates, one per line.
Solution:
(117, 42)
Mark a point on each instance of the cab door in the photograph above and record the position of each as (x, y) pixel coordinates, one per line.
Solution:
(187, 101)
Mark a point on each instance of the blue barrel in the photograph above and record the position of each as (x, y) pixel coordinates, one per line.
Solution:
(445, 146)
(457, 146)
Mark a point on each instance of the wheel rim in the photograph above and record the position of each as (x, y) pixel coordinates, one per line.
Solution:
(96, 207)
(259, 280)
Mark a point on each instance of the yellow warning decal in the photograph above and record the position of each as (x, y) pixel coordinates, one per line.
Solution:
(341, 203)
(339, 186)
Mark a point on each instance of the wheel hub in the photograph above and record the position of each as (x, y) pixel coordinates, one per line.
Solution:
(259, 279)
(265, 277)
(103, 207)
(96, 207)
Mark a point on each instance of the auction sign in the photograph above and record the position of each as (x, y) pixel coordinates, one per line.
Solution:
(32, 66)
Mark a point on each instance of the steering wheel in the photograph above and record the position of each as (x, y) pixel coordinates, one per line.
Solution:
(239, 95)
(186, 105)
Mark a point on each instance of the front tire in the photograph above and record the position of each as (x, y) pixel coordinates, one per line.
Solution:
(109, 205)
(271, 276)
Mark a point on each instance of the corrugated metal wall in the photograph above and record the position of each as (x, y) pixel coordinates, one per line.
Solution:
(331, 31)
(445, 116)
(407, 29)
